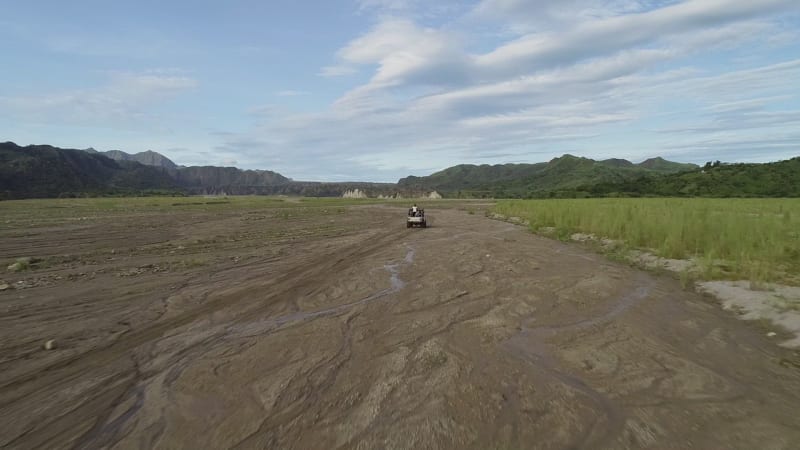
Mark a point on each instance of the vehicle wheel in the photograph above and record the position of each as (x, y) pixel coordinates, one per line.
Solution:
(408, 224)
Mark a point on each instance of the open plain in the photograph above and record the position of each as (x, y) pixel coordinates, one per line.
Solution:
(289, 324)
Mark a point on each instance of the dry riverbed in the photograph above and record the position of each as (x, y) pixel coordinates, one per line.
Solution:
(326, 327)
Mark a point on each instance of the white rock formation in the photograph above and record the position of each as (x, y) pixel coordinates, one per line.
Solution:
(355, 193)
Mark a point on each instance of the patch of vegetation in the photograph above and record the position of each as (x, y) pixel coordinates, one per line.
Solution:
(192, 263)
(20, 265)
(731, 238)
(779, 179)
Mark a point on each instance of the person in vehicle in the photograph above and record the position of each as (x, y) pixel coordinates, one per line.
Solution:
(414, 210)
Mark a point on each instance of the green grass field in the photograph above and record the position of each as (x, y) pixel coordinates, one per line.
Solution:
(755, 239)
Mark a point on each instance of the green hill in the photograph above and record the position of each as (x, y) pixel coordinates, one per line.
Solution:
(471, 177)
(776, 179)
(659, 164)
(560, 176)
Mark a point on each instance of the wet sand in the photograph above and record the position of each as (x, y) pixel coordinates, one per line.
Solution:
(322, 329)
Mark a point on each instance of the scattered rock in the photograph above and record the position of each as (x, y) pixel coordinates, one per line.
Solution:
(50, 344)
(4, 286)
(610, 244)
(582, 237)
(780, 305)
(16, 267)
(651, 261)
(772, 334)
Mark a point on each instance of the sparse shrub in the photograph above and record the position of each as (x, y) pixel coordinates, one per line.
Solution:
(194, 262)
(21, 264)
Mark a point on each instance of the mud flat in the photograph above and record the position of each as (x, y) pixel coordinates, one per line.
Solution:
(336, 327)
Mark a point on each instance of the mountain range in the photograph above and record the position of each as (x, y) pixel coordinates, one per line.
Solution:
(38, 171)
(42, 171)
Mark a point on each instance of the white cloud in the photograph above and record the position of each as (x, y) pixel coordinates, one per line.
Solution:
(126, 98)
(428, 84)
(500, 81)
(291, 93)
(407, 54)
(531, 15)
(419, 9)
(336, 71)
(605, 36)
(392, 5)
(601, 78)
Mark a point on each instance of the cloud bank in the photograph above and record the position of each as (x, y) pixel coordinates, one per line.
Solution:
(426, 85)
(513, 81)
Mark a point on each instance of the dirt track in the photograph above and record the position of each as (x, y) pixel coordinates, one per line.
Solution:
(307, 329)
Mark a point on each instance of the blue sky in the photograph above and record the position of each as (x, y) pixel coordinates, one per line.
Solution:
(376, 90)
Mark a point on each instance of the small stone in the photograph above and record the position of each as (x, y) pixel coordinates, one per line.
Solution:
(772, 334)
(4, 286)
(16, 267)
(50, 344)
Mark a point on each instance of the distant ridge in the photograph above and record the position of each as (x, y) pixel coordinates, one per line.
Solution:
(42, 171)
(660, 164)
(45, 171)
(775, 179)
(148, 158)
(561, 174)
(615, 162)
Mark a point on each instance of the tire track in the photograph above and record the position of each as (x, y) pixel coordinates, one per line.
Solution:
(41, 383)
(530, 344)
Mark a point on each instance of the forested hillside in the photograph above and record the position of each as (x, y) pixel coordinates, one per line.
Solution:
(45, 171)
(560, 176)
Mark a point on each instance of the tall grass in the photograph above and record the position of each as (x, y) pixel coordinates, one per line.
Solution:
(756, 239)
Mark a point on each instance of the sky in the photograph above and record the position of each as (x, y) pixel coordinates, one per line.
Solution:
(375, 90)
